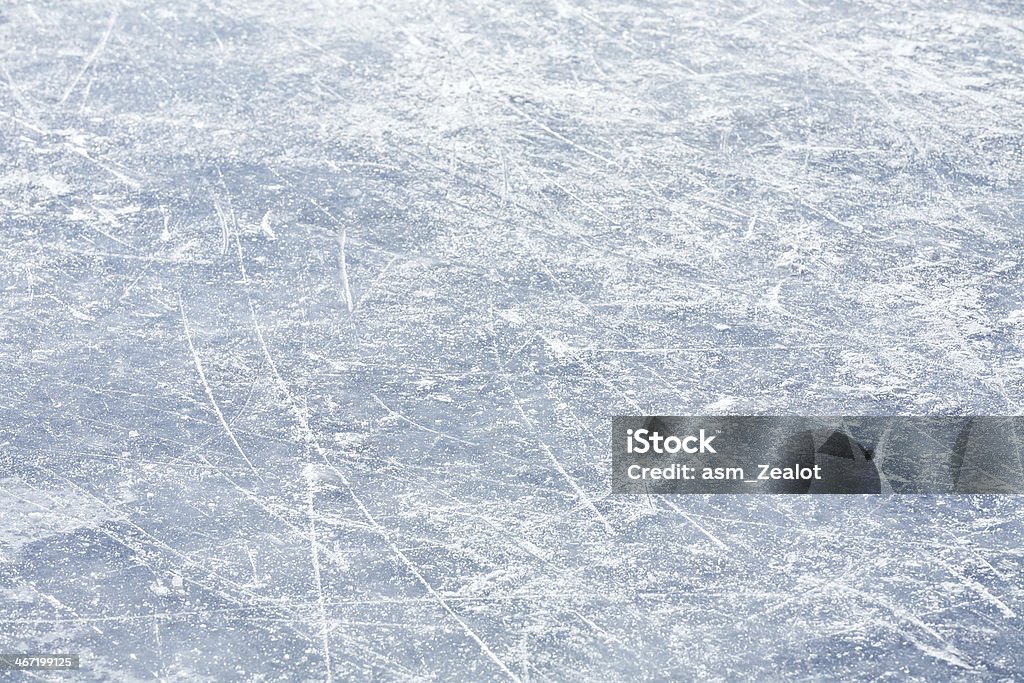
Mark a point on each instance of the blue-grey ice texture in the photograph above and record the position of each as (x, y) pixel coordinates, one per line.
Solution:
(314, 315)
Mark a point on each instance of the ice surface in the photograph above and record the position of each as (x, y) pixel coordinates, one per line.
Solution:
(314, 316)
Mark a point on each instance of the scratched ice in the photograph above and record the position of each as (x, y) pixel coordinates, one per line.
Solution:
(314, 316)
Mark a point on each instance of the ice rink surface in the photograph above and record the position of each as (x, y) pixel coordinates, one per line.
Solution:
(313, 317)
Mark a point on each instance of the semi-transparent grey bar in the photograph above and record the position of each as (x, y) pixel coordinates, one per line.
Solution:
(37, 662)
(763, 454)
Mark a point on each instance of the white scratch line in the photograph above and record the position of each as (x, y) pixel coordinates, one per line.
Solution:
(223, 220)
(558, 136)
(91, 58)
(948, 653)
(344, 270)
(950, 656)
(371, 520)
(692, 521)
(373, 285)
(131, 182)
(580, 493)
(417, 424)
(419, 577)
(315, 554)
(981, 590)
(597, 628)
(206, 387)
